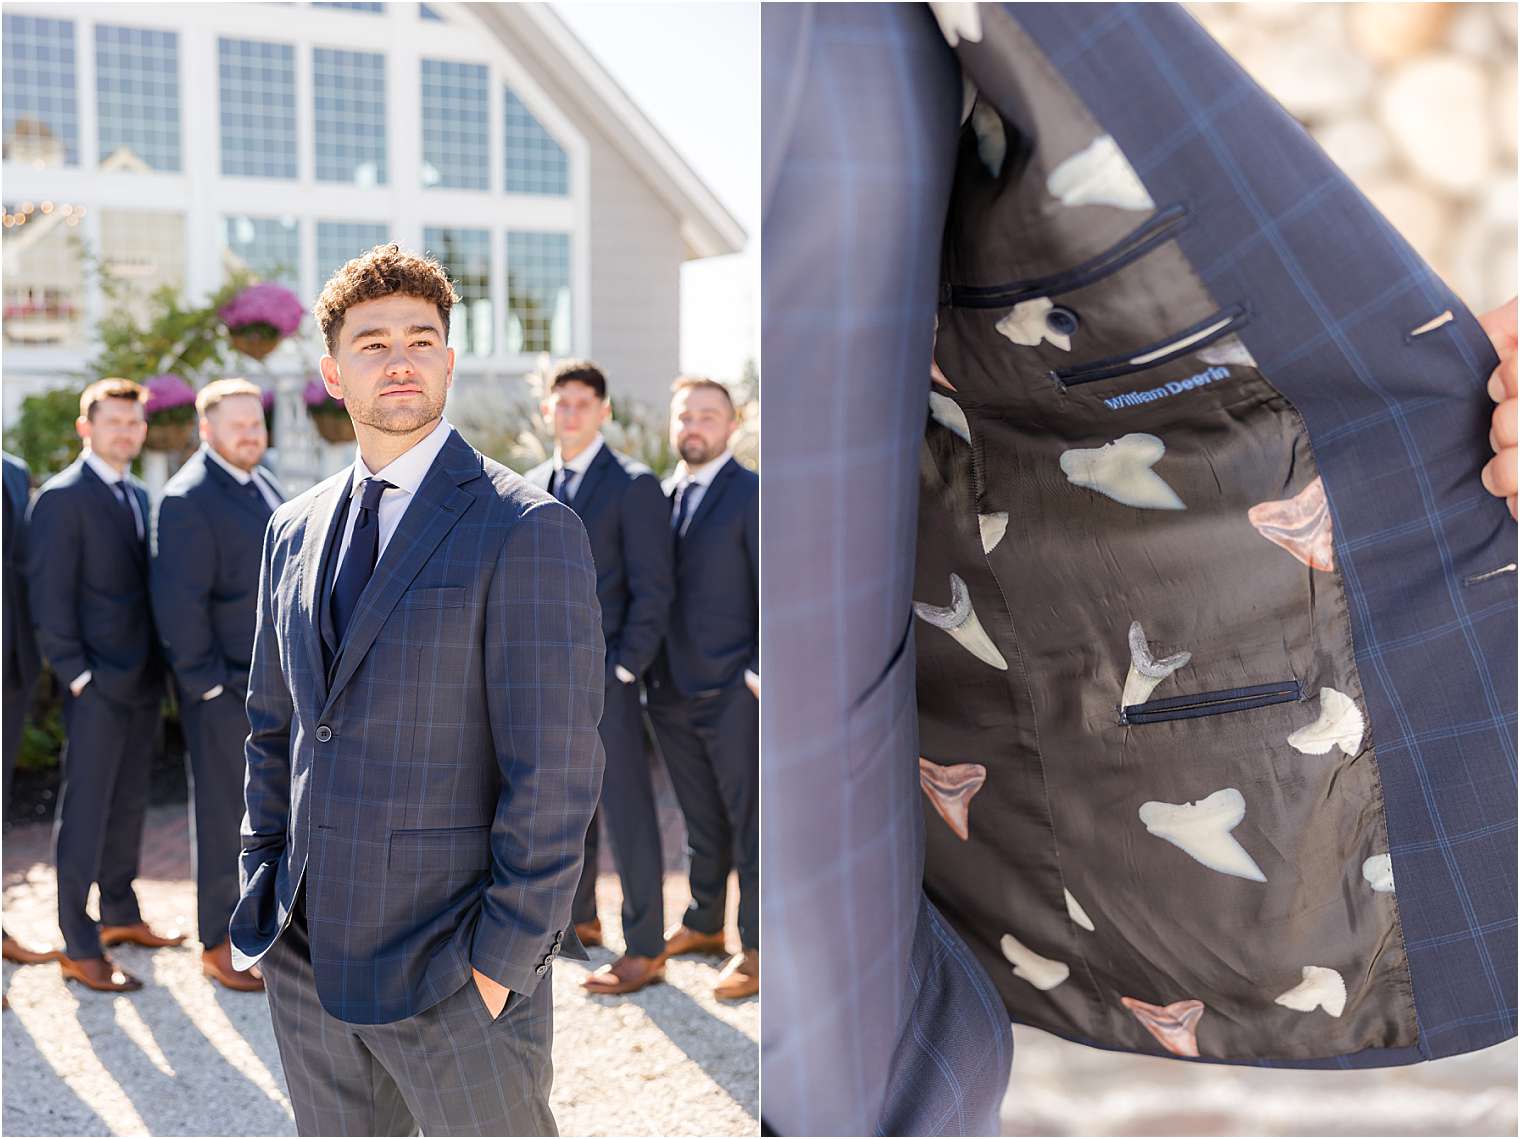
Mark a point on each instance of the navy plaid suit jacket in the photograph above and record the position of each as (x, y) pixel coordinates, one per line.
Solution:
(860, 127)
(435, 795)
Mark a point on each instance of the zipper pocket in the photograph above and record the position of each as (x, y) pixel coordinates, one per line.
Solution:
(1190, 339)
(1160, 228)
(1209, 703)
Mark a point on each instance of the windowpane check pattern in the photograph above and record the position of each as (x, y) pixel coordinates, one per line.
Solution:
(137, 97)
(269, 247)
(538, 293)
(536, 164)
(258, 108)
(339, 242)
(455, 132)
(349, 97)
(466, 254)
(41, 110)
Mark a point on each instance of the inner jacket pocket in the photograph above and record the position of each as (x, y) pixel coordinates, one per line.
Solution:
(1198, 704)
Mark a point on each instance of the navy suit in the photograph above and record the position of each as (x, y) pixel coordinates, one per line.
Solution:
(87, 571)
(22, 660)
(427, 801)
(704, 715)
(627, 520)
(208, 531)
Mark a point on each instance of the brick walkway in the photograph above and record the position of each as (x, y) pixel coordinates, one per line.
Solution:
(184, 1057)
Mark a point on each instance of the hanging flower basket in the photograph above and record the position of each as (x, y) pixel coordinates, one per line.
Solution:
(171, 414)
(254, 341)
(328, 415)
(259, 317)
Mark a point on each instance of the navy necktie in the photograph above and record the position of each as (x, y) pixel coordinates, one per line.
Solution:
(561, 482)
(121, 493)
(683, 504)
(359, 563)
(251, 489)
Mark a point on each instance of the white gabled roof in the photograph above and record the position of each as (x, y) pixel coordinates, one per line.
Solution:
(707, 227)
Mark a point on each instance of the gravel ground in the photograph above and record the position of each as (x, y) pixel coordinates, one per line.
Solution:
(1061, 1088)
(185, 1057)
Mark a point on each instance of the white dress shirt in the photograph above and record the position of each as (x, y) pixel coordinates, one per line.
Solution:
(405, 474)
(245, 477)
(110, 476)
(577, 468)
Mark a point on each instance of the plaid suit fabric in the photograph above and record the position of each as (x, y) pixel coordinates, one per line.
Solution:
(876, 1016)
(433, 798)
(452, 1069)
(1399, 426)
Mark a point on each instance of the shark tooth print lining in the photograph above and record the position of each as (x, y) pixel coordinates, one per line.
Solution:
(1340, 724)
(1321, 988)
(1301, 525)
(993, 527)
(959, 619)
(947, 413)
(1075, 911)
(1202, 831)
(951, 787)
(1099, 175)
(1025, 325)
(1122, 471)
(1041, 972)
(991, 137)
(1145, 671)
(1174, 1025)
(1378, 871)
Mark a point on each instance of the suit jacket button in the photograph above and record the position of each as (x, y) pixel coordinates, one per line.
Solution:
(324, 733)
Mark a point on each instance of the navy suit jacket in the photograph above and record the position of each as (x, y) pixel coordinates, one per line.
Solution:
(22, 660)
(627, 519)
(87, 575)
(434, 793)
(715, 623)
(204, 574)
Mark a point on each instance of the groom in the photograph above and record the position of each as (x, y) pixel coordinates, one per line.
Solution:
(423, 759)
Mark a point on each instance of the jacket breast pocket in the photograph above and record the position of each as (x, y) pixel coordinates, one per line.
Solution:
(434, 597)
(452, 850)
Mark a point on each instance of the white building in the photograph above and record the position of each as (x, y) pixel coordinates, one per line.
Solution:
(175, 140)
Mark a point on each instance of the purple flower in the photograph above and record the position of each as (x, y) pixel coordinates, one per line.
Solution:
(268, 304)
(316, 396)
(167, 392)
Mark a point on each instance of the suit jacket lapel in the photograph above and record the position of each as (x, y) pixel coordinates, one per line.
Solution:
(236, 491)
(711, 495)
(320, 537)
(108, 502)
(436, 507)
(585, 493)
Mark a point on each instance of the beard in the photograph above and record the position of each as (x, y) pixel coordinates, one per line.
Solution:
(695, 451)
(400, 420)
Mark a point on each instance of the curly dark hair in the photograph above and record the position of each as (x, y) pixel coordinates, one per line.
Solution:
(384, 271)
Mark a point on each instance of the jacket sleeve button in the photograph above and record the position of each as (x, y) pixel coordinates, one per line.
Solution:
(541, 970)
(324, 733)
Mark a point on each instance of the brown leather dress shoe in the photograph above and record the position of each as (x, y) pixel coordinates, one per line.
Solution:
(217, 964)
(13, 950)
(138, 934)
(740, 977)
(589, 932)
(628, 974)
(679, 941)
(98, 973)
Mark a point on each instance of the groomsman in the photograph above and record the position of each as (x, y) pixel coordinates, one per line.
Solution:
(626, 517)
(208, 535)
(22, 661)
(87, 569)
(705, 685)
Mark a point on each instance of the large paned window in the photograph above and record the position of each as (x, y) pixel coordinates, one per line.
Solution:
(38, 94)
(349, 100)
(538, 292)
(466, 254)
(535, 163)
(258, 108)
(455, 129)
(137, 98)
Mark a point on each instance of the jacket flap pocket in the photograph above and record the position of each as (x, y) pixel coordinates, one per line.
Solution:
(434, 597)
(437, 848)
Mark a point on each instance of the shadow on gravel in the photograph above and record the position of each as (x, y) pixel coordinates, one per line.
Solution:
(48, 1106)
